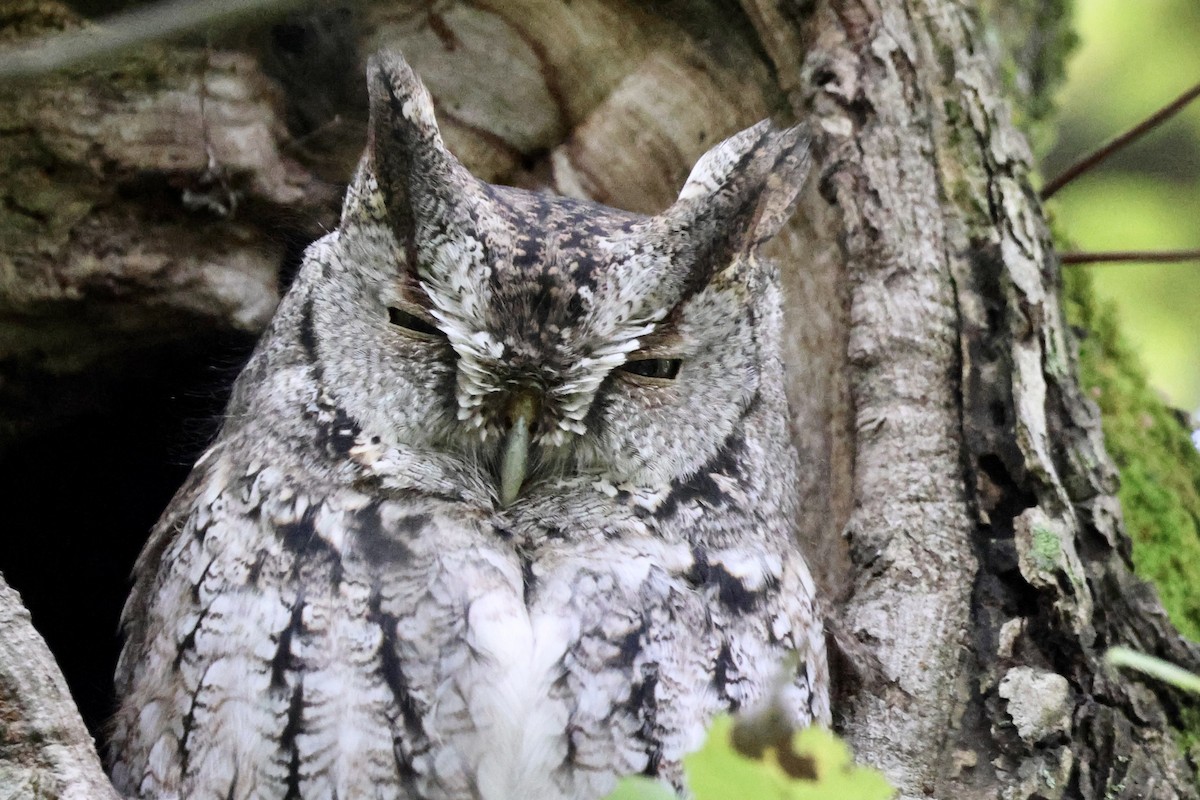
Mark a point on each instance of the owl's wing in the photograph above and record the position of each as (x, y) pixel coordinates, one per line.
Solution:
(254, 661)
(137, 610)
(769, 639)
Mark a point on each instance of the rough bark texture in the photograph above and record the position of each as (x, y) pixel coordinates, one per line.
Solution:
(143, 202)
(958, 503)
(44, 749)
(991, 571)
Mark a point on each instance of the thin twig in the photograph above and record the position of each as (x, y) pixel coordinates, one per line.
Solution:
(120, 31)
(1095, 157)
(1149, 256)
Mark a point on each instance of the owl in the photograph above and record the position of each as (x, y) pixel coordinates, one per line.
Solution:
(502, 504)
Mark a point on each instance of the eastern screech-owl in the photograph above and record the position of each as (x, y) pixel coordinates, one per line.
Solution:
(502, 505)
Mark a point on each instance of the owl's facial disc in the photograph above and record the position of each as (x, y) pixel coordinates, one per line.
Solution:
(552, 318)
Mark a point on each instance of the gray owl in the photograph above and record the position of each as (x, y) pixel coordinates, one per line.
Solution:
(502, 506)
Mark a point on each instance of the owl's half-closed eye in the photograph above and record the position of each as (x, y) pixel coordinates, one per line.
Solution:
(559, 313)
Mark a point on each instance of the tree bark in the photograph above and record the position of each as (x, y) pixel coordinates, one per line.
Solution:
(990, 567)
(958, 505)
(45, 752)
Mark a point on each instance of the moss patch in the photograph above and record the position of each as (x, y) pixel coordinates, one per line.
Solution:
(1151, 445)
(1035, 38)
(1047, 549)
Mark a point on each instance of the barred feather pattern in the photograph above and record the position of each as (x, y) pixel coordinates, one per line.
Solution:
(338, 605)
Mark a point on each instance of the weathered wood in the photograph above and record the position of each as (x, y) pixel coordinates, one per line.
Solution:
(144, 202)
(45, 751)
(985, 535)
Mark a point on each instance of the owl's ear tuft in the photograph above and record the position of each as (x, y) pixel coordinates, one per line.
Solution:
(741, 192)
(409, 159)
(401, 106)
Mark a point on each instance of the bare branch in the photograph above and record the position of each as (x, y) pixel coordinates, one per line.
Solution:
(1097, 156)
(124, 30)
(1147, 256)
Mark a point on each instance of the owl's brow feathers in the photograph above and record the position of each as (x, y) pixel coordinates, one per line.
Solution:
(540, 271)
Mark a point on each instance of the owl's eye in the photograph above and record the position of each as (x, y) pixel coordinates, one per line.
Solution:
(662, 368)
(411, 322)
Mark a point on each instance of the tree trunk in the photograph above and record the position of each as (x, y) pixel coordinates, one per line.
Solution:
(958, 505)
(44, 749)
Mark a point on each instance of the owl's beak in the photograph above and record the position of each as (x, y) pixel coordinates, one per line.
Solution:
(514, 466)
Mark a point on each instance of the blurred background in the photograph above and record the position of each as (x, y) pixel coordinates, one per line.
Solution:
(1132, 59)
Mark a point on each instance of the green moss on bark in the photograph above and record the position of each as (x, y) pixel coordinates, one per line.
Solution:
(1152, 447)
(1035, 37)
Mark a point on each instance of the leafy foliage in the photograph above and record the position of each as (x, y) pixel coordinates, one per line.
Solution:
(812, 765)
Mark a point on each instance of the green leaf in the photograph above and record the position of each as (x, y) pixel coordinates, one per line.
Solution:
(813, 765)
(718, 772)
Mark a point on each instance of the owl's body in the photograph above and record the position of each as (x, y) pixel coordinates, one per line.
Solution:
(502, 505)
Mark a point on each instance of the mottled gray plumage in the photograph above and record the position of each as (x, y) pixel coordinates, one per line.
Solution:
(345, 601)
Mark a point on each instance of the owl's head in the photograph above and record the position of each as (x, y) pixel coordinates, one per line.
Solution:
(540, 337)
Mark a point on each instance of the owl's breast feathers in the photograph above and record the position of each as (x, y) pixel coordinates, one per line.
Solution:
(304, 642)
